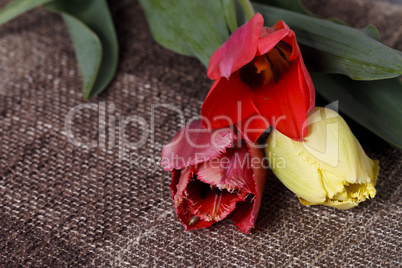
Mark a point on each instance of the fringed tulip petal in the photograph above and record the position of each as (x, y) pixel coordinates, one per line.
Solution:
(193, 145)
(231, 171)
(246, 212)
(215, 205)
(180, 180)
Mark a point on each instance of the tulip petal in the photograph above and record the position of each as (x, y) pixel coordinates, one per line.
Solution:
(175, 181)
(214, 206)
(178, 186)
(282, 32)
(268, 42)
(252, 127)
(285, 102)
(309, 90)
(231, 171)
(227, 102)
(193, 145)
(245, 214)
(237, 51)
(303, 179)
(290, 38)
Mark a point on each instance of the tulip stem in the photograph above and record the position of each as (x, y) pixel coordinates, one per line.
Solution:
(248, 8)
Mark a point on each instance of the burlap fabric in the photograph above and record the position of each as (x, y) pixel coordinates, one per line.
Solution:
(110, 205)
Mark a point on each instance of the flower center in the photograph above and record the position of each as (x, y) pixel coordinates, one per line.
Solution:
(267, 68)
(210, 201)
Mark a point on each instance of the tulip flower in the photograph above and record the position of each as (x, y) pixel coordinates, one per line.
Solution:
(214, 175)
(260, 80)
(328, 168)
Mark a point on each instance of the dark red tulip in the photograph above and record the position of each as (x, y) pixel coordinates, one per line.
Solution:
(214, 175)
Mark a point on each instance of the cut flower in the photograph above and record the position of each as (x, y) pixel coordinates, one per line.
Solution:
(260, 80)
(329, 168)
(214, 175)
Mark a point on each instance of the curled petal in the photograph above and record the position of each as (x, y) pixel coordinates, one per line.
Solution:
(266, 31)
(281, 25)
(193, 145)
(268, 42)
(237, 51)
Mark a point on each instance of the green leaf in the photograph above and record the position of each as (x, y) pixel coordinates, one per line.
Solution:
(17, 7)
(194, 28)
(297, 6)
(88, 50)
(95, 42)
(333, 48)
(292, 5)
(372, 32)
(376, 105)
(229, 11)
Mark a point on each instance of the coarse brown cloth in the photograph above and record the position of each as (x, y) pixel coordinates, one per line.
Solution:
(65, 205)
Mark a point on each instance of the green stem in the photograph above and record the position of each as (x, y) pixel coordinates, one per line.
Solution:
(248, 8)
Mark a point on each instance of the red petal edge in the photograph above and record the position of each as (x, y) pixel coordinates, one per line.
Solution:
(193, 144)
(253, 126)
(269, 41)
(237, 51)
(227, 102)
(246, 212)
(285, 104)
(178, 186)
(231, 171)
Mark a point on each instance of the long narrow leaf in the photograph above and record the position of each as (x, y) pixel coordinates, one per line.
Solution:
(292, 5)
(335, 48)
(88, 50)
(193, 28)
(17, 7)
(376, 105)
(229, 10)
(96, 16)
(372, 32)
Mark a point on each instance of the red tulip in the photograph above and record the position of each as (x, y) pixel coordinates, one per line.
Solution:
(260, 80)
(214, 175)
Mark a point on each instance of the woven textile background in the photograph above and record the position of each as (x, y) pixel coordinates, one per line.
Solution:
(61, 204)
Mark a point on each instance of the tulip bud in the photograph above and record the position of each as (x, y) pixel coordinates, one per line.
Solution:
(328, 168)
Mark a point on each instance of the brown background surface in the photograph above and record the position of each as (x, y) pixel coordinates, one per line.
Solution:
(65, 205)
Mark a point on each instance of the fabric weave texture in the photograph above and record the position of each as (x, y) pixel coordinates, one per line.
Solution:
(65, 205)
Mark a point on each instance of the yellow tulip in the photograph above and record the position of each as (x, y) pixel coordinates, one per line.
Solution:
(328, 168)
